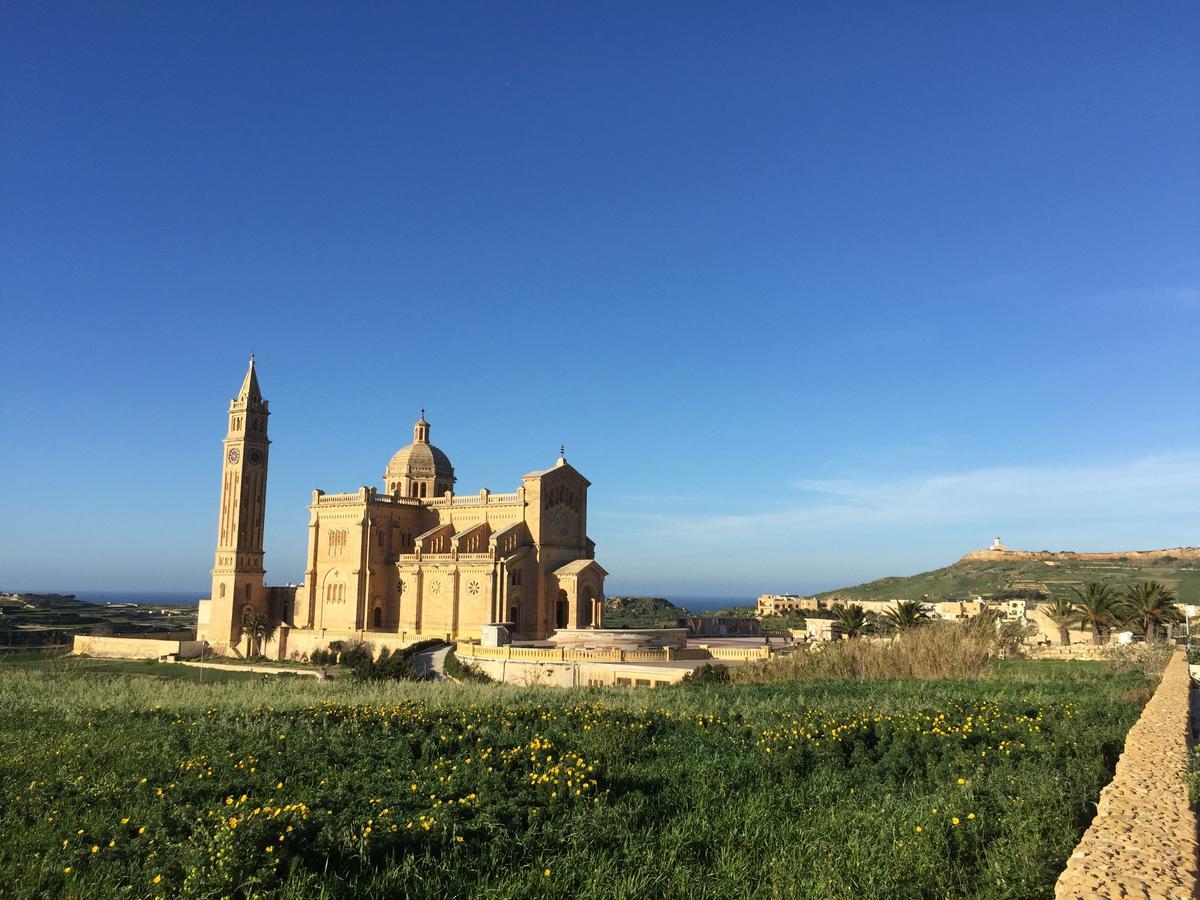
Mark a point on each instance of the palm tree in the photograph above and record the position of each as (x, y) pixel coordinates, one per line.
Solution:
(852, 619)
(1063, 614)
(906, 614)
(1099, 607)
(258, 629)
(1148, 604)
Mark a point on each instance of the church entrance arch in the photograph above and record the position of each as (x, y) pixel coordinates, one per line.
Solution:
(562, 610)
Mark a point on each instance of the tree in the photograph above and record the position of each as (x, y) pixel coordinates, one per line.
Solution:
(258, 630)
(1062, 612)
(1148, 604)
(1099, 608)
(905, 615)
(852, 619)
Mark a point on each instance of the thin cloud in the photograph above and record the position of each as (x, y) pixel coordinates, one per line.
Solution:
(1166, 485)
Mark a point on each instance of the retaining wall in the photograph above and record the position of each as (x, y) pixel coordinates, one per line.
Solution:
(1142, 842)
(133, 647)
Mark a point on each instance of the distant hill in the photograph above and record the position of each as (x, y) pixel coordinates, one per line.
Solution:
(641, 612)
(39, 620)
(985, 572)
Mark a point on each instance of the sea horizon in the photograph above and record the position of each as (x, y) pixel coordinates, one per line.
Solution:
(693, 603)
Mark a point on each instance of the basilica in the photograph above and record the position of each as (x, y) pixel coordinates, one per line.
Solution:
(409, 560)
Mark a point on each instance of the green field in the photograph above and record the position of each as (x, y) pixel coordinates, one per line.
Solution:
(44, 620)
(129, 786)
(982, 577)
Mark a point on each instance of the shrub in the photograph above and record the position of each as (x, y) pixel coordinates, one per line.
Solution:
(460, 671)
(355, 653)
(390, 666)
(323, 658)
(707, 674)
(1147, 659)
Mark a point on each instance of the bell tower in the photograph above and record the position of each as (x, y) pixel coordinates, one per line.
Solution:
(237, 575)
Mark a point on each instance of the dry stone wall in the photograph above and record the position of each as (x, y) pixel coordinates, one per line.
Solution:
(1142, 842)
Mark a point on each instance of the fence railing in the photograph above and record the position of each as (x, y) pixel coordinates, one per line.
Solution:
(666, 654)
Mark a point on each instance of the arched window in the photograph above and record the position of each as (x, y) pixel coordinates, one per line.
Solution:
(246, 593)
(377, 617)
(413, 489)
(423, 487)
(221, 590)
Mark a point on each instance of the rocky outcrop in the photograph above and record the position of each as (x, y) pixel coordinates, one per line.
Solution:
(1142, 842)
(992, 554)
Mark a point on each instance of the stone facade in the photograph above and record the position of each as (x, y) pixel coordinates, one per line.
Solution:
(1142, 842)
(409, 560)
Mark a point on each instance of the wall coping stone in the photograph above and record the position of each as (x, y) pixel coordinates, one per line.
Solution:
(1142, 842)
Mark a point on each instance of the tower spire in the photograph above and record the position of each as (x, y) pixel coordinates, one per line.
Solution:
(250, 389)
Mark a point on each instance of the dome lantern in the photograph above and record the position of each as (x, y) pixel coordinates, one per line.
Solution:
(419, 469)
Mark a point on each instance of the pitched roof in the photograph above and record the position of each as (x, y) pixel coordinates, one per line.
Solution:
(578, 566)
(561, 464)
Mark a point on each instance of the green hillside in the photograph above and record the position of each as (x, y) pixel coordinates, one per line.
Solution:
(641, 612)
(964, 579)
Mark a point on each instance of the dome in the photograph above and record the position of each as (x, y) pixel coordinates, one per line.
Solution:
(419, 469)
(419, 460)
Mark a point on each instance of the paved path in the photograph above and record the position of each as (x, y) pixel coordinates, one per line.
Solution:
(265, 669)
(432, 663)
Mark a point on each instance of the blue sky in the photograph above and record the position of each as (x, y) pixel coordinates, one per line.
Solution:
(812, 295)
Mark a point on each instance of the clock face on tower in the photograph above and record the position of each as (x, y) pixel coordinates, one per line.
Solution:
(255, 456)
(234, 455)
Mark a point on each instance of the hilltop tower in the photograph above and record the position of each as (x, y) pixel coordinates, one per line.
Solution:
(237, 574)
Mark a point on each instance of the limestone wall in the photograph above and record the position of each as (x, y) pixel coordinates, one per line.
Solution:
(1080, 649)
(619, 638)
(133, 647)
(299, 643)
(1142, 842)
(577, 674)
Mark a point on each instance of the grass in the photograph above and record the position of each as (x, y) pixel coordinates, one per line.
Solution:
(821, 788)
(62, 664)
